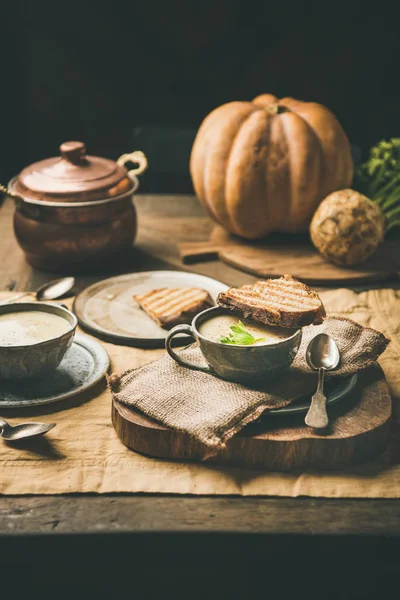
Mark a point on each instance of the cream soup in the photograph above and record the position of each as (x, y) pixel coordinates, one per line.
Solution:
(30, 327)
(219, 326)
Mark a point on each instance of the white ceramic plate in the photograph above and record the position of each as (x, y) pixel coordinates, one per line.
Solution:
(107, 308)
(83, 365)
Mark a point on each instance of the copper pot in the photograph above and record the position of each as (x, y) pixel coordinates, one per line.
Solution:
(74, 212)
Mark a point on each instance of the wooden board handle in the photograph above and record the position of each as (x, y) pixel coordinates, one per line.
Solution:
(194, 252)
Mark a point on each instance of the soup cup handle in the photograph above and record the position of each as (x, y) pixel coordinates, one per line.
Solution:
(187, 329)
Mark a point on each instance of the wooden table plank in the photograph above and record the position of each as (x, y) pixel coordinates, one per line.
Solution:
(172, 514)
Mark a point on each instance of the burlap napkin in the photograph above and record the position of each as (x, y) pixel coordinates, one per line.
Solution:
(213, 410)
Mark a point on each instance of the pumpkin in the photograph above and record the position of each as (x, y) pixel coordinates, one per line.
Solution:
(264, 166)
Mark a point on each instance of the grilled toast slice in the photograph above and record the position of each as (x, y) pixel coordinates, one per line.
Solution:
(169, 307)
(284, 302)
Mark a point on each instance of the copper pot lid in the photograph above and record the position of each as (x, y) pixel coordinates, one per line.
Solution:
(78, 177)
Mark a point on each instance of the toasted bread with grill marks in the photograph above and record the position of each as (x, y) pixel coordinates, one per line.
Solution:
(284, 302)
(169, 307)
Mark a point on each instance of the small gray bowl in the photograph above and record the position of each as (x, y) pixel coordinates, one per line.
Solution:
(35, 360)
(236, 363)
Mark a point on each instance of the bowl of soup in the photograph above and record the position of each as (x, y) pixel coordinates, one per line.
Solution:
(271, 351)
(33, 338)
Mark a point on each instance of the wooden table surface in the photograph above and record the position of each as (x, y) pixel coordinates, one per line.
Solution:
(32, 527)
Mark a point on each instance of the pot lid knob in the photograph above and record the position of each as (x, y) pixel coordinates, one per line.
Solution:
(73, 151)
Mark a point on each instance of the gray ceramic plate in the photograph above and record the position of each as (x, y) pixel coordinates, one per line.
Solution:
(84, 364)
(335, 390)
(107, 308)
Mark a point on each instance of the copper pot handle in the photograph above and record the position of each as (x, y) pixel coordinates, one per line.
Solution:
(136, 157)
(32, 211)
(7, 192)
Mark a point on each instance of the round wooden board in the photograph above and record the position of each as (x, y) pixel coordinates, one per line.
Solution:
(281, 254)
(360, 428)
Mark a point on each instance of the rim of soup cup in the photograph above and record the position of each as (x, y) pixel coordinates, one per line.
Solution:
(225, 311)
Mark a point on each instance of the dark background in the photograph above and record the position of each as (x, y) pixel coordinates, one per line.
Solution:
(142, 75)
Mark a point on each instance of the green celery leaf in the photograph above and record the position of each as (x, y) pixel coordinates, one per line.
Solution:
(239, 336)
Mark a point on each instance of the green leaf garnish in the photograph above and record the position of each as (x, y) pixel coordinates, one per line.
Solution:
(239, 336)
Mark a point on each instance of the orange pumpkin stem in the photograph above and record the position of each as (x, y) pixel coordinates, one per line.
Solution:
(275, 109)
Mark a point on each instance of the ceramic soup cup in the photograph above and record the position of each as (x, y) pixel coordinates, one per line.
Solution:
(232, 362)
(35, 360)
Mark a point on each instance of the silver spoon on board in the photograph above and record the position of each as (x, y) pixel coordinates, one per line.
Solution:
(322, 354)
(25, 430)
(48, 291)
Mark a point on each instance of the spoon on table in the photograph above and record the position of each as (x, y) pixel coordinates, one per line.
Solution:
(49, 291)
(322, 355)
(25, 430)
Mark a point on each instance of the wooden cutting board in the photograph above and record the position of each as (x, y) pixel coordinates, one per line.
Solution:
(360, 429)
(281, 254)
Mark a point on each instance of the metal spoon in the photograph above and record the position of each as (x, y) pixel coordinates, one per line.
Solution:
(322, 354)
(49, 291)
(25, 430)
